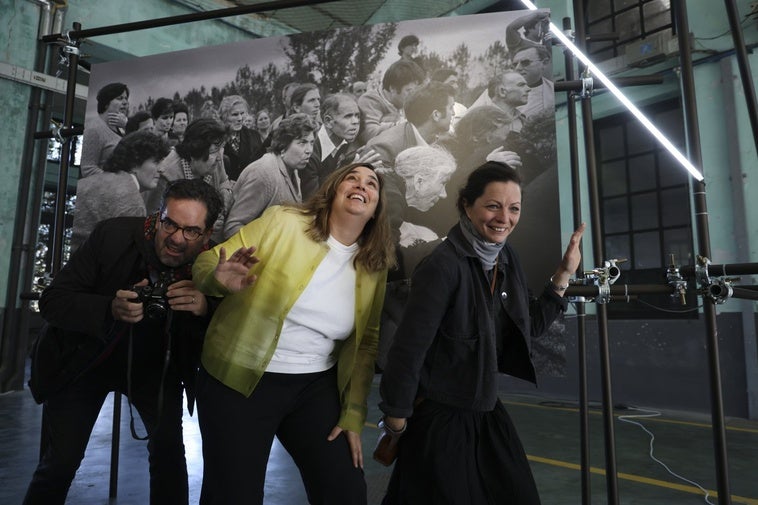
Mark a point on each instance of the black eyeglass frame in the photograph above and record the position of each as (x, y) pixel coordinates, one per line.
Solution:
(190, 233)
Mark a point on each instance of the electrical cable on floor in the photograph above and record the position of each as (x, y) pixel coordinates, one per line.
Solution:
(652, 413)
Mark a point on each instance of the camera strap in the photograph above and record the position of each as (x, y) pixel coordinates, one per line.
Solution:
(164, 372)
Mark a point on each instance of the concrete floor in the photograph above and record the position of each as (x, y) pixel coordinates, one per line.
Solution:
(548, 428)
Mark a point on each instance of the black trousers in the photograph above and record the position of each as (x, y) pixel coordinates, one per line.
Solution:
(71, 414)
(301, 410)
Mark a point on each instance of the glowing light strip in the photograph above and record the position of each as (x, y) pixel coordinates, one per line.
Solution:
(622, 98)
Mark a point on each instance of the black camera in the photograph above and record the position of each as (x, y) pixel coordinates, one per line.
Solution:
(154, 300)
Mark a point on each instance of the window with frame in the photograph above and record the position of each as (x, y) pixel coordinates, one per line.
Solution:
(630, 19)
(645, 206)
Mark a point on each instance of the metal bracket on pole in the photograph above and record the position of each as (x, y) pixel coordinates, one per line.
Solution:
(675, 279)
(588, 85)
(71, 50)
(602, 277)
(55, 130)
(68, 47)
(717, 289)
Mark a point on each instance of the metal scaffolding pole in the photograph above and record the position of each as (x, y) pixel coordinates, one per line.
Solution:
(79, 34)
(611, 477)
(72, 50)
(703, 237)
(740, 52)
(581, 321)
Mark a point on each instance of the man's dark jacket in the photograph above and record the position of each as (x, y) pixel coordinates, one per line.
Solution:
(77, 310)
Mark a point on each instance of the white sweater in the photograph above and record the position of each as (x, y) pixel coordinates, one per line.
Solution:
(322, 316)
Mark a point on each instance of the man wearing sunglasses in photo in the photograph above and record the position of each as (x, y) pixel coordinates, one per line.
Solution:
(533, 63)
(124, 315)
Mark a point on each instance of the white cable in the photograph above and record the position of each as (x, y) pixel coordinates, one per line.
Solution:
(653, 413)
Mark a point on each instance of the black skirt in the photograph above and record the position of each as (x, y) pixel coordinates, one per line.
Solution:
(451, 456)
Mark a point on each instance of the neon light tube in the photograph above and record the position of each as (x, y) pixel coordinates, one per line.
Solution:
(622, 98)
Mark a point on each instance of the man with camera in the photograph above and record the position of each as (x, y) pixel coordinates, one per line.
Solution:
(124, 315)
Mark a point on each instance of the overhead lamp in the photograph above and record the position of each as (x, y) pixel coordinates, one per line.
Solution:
(621, 97)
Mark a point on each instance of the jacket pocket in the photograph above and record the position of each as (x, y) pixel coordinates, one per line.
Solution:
(455, 366)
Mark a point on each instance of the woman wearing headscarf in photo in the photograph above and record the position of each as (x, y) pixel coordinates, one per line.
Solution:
(290, 351)
(469, 316)
(105, 131)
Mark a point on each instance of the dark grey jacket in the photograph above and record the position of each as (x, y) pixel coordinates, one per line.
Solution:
(445, 346)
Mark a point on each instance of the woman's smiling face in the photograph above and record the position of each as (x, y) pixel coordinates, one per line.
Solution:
(497, 211)
(358, 193)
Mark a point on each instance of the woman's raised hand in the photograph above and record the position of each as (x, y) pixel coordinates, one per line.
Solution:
(234, 273)
(570, 261)
(573, 254)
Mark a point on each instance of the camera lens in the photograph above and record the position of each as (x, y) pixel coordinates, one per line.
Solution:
(155, 310)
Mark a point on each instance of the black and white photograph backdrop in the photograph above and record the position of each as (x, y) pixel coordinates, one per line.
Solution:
(479, 49)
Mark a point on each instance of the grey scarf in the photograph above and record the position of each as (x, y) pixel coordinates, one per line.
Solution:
(486, 251)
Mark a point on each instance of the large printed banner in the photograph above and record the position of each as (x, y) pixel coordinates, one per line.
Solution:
(498, 64)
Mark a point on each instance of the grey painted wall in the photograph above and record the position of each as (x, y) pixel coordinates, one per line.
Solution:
(659, 364)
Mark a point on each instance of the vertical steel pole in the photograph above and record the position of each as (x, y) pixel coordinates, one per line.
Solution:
(611, 476)
(746, 75)
(60, 195)
(581, 329)
(703, 236)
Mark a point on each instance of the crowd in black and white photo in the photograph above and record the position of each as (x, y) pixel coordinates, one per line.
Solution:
(256, 159)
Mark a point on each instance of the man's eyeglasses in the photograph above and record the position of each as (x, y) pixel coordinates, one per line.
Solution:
(189, 233)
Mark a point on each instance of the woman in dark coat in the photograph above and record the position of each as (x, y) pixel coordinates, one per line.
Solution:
(243, 146)
(469, 316)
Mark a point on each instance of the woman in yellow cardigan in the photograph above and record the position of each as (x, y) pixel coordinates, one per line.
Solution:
(290, 350)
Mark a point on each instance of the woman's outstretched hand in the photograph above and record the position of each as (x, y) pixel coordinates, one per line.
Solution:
(234, 273)
(570, 261)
